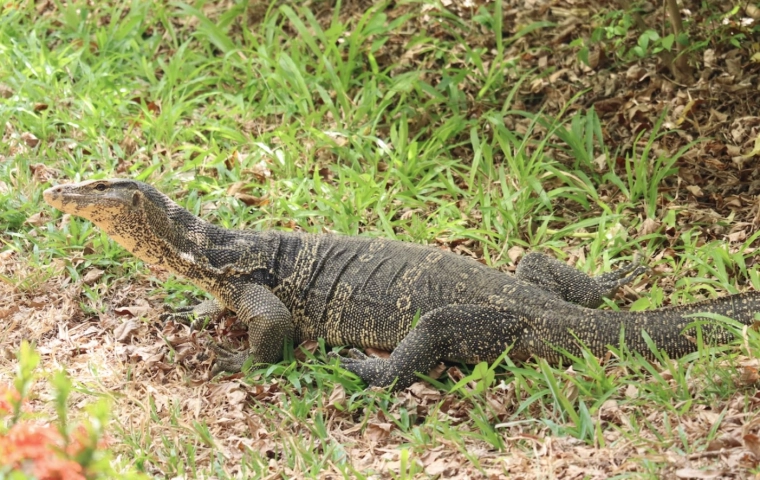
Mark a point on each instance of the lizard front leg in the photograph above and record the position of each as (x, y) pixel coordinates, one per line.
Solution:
(269, 324)
(196, 316)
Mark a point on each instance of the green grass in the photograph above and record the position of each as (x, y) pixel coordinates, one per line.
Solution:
(326, 118)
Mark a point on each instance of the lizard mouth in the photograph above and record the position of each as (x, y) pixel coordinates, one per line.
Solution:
(57, 196)
(52, 194)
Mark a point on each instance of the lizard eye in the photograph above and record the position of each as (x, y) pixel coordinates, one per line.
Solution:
(100, 187)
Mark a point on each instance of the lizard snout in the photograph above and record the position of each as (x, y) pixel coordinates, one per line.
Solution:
(53, 195)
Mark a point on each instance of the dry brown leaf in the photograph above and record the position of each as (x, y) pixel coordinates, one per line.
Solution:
(134, 310)
(236, 188)
(124, 331)
(752, 443)
(37, 219)
(601, 163)
(738, 236)
(649, 226)
(41, 172)
(695, 190)
(455, 374)
(39, 301)
(408, 213)
(261, 171)
(7, 311)
(378, 432)
(699, 474)
(337, 399)
(251, 200)
(92, 276)
(631, 391)
(30, 139)
(231, 162)
(636, 73)
(151, 353)
(515, 253)
(571, 391)
(424, 392)
(434, 464)
(236, 396)
(129, 145)
(749, 376)
(309, 346)
(723, 442)
(709, 58)
(436, 372)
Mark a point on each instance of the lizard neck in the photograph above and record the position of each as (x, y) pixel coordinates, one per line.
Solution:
(166, 234)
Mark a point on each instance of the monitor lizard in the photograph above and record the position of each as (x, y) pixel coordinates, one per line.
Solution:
(366, 292)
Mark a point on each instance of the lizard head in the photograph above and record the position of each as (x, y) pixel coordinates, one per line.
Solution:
(125, 209)
(100, 201)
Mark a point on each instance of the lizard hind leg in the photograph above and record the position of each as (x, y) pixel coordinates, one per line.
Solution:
(571, 284)
(467, 333)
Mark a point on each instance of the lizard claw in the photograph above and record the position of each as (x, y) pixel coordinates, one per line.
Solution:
(354, 356)
(623, 275)
(197, 316)
(370, 369)
(227, 360)
(186, 318)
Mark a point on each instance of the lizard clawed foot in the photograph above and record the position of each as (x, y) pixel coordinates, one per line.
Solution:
(612, 281)
(227, 360)
(197, 316)
(354, 356)
(186, 317)
(372, 370)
